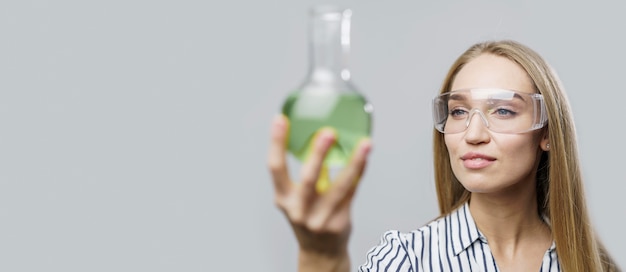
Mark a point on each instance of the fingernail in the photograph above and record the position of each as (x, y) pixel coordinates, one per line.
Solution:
(326, 137)
(366, 146)
(279, 121)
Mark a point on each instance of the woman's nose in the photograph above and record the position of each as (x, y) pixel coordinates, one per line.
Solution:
(477, 128)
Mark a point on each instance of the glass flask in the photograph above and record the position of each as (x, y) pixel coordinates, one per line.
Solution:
(327, 97)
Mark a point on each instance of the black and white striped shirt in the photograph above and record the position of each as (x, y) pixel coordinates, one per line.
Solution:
(450, 243)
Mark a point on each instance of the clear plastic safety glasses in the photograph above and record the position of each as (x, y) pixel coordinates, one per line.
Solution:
(502, 111)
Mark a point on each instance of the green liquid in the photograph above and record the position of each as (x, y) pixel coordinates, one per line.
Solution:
(348, 113)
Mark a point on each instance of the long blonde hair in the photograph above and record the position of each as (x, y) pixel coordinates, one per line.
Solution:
(560, 195)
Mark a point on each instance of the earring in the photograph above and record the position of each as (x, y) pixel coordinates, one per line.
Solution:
(548, 146)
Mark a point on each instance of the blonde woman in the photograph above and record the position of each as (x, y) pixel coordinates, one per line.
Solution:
(507, 175)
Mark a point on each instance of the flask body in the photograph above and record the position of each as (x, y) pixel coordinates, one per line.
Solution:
(346, 112)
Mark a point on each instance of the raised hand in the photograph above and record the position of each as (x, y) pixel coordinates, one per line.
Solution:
(320, 220)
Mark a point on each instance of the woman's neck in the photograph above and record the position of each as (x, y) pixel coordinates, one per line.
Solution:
(509, 221)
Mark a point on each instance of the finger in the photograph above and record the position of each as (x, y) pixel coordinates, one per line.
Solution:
(342, 190)
(277, 157)
(346, 183)
(311, 170)
(348, 179)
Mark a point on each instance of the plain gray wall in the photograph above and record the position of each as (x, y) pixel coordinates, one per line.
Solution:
(133, 134)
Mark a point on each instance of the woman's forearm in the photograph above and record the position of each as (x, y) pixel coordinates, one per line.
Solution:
(316, 262)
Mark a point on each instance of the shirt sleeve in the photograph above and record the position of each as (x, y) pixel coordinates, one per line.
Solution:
(391, 254)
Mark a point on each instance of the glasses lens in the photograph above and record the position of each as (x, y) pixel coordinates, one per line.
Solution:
(502, 111)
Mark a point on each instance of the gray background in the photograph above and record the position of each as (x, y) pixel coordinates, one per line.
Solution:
(133, 134)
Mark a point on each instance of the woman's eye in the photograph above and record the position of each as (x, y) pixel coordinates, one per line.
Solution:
(504, 112)
(457, 112)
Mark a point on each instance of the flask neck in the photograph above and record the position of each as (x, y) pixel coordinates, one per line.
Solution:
(329, 44)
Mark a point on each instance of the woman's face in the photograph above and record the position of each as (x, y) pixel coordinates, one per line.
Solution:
(485, 161)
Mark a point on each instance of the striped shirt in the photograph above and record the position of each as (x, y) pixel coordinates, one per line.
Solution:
(450, 243)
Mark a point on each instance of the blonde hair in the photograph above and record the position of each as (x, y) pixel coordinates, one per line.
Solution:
(560, 195)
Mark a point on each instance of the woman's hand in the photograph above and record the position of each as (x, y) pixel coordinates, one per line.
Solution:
(321, 221)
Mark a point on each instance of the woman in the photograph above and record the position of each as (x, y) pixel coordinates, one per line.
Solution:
(507, 174)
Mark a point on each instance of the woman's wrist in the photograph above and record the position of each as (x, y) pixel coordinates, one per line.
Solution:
(323, 261)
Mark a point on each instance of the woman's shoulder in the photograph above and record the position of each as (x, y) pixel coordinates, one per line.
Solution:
(456, 227)
(442, 237)
(401, 250)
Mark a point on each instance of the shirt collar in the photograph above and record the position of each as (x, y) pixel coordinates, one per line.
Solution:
(463, 229)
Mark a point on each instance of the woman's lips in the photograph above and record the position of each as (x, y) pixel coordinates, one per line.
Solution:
(475, 161)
